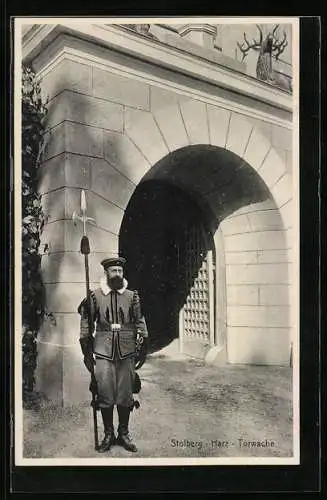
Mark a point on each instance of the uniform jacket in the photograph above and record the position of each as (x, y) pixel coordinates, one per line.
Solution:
(108, 307)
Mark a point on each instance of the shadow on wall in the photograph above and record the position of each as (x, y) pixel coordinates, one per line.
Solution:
(194, 188)
(73, 159)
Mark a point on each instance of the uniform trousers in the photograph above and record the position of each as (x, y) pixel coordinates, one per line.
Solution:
(115, 380)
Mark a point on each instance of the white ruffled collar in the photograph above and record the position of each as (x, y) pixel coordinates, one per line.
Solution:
(105, 288)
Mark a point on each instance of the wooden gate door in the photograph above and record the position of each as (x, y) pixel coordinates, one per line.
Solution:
(197, 316)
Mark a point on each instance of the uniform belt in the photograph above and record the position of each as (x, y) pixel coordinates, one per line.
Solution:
(113, 330)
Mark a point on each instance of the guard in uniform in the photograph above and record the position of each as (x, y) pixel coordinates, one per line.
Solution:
(115, 320)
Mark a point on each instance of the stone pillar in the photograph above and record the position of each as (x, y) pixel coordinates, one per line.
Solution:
(82, 131)
(217, 355)
(201, 34)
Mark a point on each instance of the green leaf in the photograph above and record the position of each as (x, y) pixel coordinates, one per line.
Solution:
(34, 110)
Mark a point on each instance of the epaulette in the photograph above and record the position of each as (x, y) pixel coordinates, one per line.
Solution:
(136, 297)
(94, 300)
(82, 307)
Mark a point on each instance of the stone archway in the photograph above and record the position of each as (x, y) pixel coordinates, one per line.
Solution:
(110, 163)
(239, 209)
(267, 232)
(150, 136)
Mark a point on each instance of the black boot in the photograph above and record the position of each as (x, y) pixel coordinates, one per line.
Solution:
(109, 435)
(124, 438)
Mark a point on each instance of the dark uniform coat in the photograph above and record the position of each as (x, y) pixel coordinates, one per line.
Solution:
(114, 350)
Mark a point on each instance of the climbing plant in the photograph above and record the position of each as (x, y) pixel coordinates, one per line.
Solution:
(34, 110)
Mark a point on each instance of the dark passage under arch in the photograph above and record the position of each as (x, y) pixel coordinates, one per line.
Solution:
(153, 237)
(191, 190)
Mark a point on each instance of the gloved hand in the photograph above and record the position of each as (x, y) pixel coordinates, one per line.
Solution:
(141, 351)
(93, 387)
(89, 362)
(137, 384)
(87, 349)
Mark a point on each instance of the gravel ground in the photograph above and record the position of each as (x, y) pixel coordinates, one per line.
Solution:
(182, 401)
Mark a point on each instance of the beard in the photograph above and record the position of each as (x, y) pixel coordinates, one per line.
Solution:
(116, 282)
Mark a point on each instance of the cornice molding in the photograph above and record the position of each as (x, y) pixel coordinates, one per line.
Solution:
(155, 52)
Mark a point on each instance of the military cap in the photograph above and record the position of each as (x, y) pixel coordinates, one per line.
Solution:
(113, 261)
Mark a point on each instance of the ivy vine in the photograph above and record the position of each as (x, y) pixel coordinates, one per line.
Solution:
(34, 111)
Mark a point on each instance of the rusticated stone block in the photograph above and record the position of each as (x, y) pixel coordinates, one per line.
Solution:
(288, 214)
(68, 267)
(83, 139)
(258, 316)
(163, 98)
(218, 119)
(196, 121)
(110, 183)
(259, 345)
(144, 132)
(53, 204)
(242, 295)
(53, 236)
(239, 257)
(274, 295)
(171, 126)
(256, 149)
(281, 137)
(238, 134)
(265, 220)
(272, 168)
(66, 75)
(117, 88)
(52, 174)
(258, 257)
(78, 170)
(257, 273)
(235, 225)
(65, 297)
(54, 142)
(101, 240)
(263, 240)
(273, 256)
(122, 154)
(106, 214)
(282, 191)
(85, 109)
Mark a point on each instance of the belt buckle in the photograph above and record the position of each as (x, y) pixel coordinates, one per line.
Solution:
(115, 327)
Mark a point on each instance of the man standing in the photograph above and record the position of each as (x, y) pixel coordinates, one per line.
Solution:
(110, 348)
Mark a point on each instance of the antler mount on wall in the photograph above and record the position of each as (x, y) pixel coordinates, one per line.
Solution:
(267, 47)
